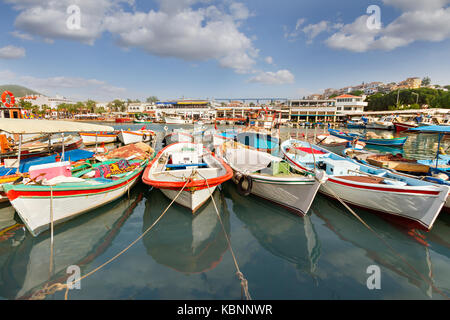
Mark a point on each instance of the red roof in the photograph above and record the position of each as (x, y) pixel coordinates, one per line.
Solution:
(346, 96)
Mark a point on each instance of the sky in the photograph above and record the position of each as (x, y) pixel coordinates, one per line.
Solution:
(107, 49)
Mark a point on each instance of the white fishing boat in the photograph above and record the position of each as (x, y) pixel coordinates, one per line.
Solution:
(414, 202)
(184, 162)
(92, 138)
(384, 123)
(142, 135)
(271, 178)
(175, 120)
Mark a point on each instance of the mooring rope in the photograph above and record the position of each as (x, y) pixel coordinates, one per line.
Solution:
(240, 275)
(323, 183)
(52, 289)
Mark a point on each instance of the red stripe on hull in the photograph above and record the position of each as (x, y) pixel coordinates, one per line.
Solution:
(13, 194)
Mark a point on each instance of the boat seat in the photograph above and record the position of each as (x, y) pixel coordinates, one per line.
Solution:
(185, 165)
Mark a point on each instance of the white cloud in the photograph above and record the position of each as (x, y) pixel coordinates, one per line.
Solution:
(21, 35)
(291, 36)
(417, 5)
(279, 77)
(68, 86)
(269, 60)
(313, 30)
(411, 26)
(12, 52)
(178, 29)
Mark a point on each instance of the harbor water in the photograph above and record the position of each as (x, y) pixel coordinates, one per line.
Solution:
(324, 255)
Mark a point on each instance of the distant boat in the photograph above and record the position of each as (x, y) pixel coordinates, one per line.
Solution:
(393, 142)
(142, 135)
(415, 202)
(99, 138)
(123, 120)
(180, 161)
(142, 121)
(175, 120)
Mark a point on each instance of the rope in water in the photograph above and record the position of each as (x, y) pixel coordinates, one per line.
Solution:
(376, 233)
(244, 282)
(52, 289)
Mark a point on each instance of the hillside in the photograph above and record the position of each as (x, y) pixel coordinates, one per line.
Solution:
(17, 91)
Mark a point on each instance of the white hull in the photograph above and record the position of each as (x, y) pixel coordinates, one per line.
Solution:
(296, 196)
(64, 208)
(91, 140)
(130, 137)
(420, 208)
(191, 200)
(170, 120)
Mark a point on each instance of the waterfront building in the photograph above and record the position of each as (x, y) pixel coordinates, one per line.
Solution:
(348, 104)
(41, 100)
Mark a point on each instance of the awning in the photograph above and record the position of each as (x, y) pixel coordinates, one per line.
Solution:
(22, 126)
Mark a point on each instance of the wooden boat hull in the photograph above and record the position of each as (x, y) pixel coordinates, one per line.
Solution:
(419, 204)
(395, 142)
(91, 138)
(258, 141)
(399, 126)
(67, 203)
(170, 120)
(296, 195)
(192, 200)
(129, 137)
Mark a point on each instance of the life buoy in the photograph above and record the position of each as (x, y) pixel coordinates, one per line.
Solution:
(12, 99)
(245, 185)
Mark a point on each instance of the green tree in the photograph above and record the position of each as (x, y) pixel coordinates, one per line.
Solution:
(357, 93)
(118, 105)
(426, 81)
(91, 105)
(152, 99)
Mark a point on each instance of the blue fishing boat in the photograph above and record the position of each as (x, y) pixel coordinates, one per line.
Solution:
(355, 124)
(350, 136)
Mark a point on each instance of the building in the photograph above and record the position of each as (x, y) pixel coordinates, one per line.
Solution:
(348, 104)
(52, 102)
(306, 110)
(410, 83)
(193, 109)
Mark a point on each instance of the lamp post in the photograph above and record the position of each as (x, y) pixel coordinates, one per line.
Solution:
(417, 99)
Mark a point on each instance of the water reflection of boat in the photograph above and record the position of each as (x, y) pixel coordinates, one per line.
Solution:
(289, 237)
(186, 243)
(25, 269)
(410, 244)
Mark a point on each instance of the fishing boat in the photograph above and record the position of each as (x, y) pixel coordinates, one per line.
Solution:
(384, 123)
(175, 120)
(356, 124)
(350, 136)
(92, 138)
(177, 135)
(403, 126)
(130, 137)
(414, 202)
(184, 162)
(328, 140)
(67, 197)
(123, 120)
(271, 178)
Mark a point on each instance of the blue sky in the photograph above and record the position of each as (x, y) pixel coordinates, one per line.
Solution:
(219, 48)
